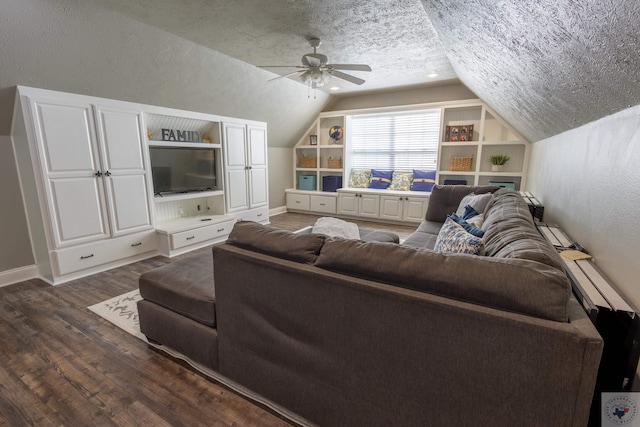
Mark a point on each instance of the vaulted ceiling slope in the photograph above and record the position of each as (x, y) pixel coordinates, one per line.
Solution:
(546, 66)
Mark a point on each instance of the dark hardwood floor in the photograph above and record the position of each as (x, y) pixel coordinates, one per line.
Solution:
(60, 364)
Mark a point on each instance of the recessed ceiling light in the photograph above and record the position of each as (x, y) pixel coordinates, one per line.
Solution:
(335, 88)
(432, 74)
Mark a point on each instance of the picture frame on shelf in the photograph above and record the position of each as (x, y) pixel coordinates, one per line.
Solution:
(460, 133)
(313, 139)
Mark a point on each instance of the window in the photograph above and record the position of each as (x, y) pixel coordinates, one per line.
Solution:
(395, 141)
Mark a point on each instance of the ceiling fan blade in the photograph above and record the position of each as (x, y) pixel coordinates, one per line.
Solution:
(280, 66)
(350, 67)
(285, 75)
(347, 77)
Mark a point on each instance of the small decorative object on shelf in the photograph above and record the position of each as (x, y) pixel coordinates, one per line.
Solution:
(149, 134)
(313, 139)
(308, 161)
(460, 164)
(336, 133)
(458, 133)
(207, 139)
(334, 163)
(498, 161)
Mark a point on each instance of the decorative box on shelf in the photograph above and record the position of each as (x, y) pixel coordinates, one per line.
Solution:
(306, 182)
(308, 161)
(331, 183)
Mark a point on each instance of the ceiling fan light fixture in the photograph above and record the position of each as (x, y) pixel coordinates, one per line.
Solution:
(432, 74)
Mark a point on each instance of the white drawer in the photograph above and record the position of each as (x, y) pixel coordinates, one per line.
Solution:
(324, 204)
(257, 215)
(298, 202)
(202, 234)
(93, 254)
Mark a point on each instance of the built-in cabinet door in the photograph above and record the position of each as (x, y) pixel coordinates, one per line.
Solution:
(348, 204)
(415, 208)
(120, 132)
(236, 169)
(70, 165)
(369, 205)
(391, 207)
(259, 186)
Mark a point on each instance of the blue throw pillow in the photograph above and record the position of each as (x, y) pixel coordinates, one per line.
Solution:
(380, 179)
(469, 212)
(472, 229)
(423, 180)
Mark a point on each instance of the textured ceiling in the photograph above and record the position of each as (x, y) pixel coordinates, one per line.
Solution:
(546, 66)
(394, 37)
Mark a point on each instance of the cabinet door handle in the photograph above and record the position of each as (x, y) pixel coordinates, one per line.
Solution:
(191, 237)
(107, 173)
(98, 174)
(86, 256)
(133, 245)
(298, 201)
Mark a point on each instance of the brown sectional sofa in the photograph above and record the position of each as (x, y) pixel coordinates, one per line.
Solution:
(346, 332)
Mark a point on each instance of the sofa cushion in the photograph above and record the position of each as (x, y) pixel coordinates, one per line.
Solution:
(185, 287)
(425, 235)
(477, 202)
(380, 179)
(509, 284)
(401, 181)
(423, 180)
(445, 199)
(509, 231)
(275, 242)
(453, 238)
(359, 178)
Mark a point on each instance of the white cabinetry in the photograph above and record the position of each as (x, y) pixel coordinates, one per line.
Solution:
(312, 201)
(359, 204)
(403, 208)
(490, 136)
(83, 165)
(245, 155)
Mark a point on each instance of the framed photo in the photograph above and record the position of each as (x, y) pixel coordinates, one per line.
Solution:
(458, 133)
(313, 139)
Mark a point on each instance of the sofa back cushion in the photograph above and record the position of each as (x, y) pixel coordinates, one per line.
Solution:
(509, 284)
(275, 242)
(445, 199)
(509, 231)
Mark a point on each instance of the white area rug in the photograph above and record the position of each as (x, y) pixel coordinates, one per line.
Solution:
(122, 311)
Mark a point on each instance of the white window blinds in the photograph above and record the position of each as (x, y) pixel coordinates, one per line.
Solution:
(395, 141)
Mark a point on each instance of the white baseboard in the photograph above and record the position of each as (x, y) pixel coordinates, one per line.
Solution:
(16, 275)
(277, 211)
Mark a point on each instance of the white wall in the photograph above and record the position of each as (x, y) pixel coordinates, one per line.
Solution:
(280, 175)
(589, 181)
(15, 248)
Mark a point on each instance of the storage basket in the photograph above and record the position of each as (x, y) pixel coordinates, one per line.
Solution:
(334, 163)
(461, 164)
(308, 162)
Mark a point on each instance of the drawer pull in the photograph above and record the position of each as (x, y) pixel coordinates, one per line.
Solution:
(220, 230)
(191, 237)
(323, 204)
(298, 201)
(133, 245)
(259, 215)
(85, 257)
(205, 219)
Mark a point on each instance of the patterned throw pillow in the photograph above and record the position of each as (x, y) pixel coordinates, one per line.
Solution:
(423, 180)
(380, 179)
(452, 238)
(360, 178)
(476, 231)
(401, 181)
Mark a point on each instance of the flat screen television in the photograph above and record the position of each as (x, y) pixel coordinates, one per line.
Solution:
(182, 170)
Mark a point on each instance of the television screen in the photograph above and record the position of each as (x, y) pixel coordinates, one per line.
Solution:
(182, 170)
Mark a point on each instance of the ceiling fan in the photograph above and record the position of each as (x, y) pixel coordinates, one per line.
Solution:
(316, 72)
